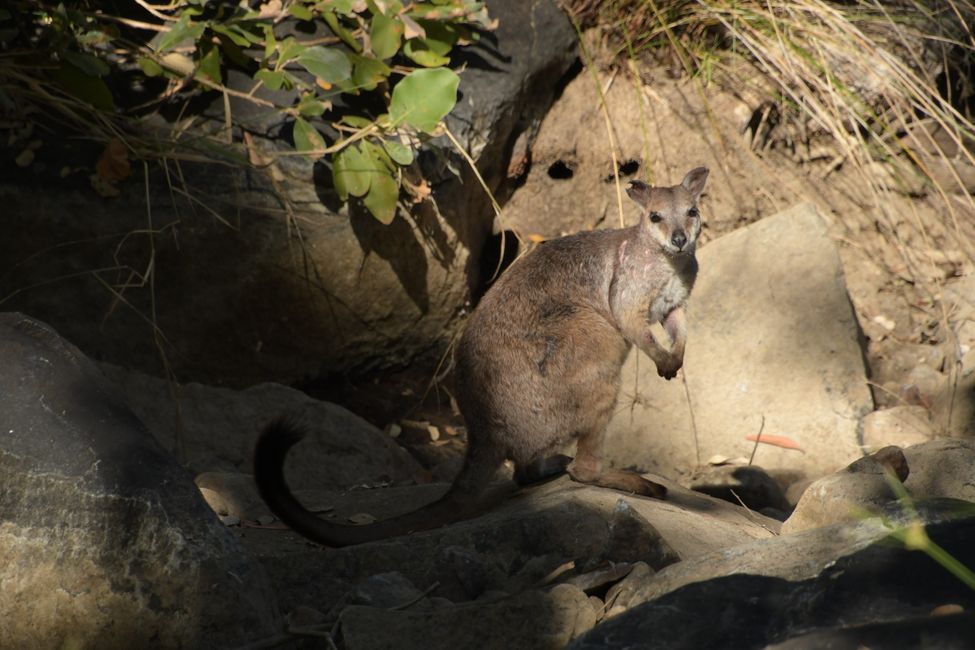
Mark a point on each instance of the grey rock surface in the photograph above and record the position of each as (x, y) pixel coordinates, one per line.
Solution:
(214, 429)
(105, 539)
(511, 547)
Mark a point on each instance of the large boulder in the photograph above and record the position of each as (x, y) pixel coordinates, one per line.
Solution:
(211, 429)
(836, 580)
(234, 276)
(105, 539)
(773, 347)
(509, 549)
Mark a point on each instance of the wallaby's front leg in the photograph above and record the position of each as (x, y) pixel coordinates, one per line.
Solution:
(675, 323)
(667, 359)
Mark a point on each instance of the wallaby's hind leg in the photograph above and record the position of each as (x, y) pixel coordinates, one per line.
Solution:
(541, 469)
(588, 468)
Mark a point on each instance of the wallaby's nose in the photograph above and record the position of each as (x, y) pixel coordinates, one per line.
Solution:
(678, 239)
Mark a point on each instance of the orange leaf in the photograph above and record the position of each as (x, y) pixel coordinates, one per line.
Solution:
(113, 164)
(778, 441)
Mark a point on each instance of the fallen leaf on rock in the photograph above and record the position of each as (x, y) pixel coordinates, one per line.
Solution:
(25, 158)
(776, 441)
(885, 322)
(362, 518)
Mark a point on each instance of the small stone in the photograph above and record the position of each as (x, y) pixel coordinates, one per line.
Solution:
(850, 494)
(387, 590)
(885, 322)
(900, 425)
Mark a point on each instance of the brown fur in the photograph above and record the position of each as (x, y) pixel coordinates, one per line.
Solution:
(538, 365)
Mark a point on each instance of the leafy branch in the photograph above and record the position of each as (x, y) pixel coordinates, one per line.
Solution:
(322, 53)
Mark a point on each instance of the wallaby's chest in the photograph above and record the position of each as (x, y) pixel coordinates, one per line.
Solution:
(672, 294)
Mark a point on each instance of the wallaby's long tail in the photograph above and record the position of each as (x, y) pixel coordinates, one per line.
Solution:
(272, 447)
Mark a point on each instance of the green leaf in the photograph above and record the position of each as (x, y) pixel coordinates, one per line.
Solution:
(356, 121)
(342, 6)
(85, 87)
(385, 36)
(367, 73)
(272, 79)
(399, 152)
(307, 138)
(423, 98)
(300, 11)
(333, 23)
(311, 106)
(150, 67)
(440, 37)
(351, 172)
(382, 197)
(232, 32)
(327, 63)
(181, 30)
(378, 157)
(209, 65)
(88, 64)
(270, 43)
(418, 50)
(288, 50)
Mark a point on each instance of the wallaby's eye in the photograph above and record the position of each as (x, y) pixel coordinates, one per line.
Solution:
(655, 217)
(693, 213)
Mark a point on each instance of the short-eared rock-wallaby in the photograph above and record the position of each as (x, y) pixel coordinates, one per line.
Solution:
(539, 363)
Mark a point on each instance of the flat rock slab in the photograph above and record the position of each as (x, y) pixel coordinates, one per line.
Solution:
(771, 336)
(534, 619)
(512, 547)
(104, 538)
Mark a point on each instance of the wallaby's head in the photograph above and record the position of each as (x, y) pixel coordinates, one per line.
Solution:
(670, 215)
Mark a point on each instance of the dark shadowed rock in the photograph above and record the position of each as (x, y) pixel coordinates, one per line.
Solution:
(214, 429)
(746, 484)
(953, 632)
(105, 539)
(879, 582)
(534, 619)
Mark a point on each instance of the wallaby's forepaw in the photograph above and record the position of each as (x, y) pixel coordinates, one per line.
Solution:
(668, 372)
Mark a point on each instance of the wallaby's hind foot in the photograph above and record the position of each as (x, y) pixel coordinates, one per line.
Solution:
(618, 480)
(541, 469)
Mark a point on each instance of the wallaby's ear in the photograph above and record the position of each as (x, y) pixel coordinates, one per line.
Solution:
(639, 192)
(694, 181)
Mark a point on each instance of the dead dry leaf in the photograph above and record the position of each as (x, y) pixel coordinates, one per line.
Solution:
(776, 441)
(113, 163)
(362, 518)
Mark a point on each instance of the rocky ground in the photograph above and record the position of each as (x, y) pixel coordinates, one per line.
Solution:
(830, 371)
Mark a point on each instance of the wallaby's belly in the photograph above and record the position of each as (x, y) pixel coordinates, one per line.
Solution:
(538, 387)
